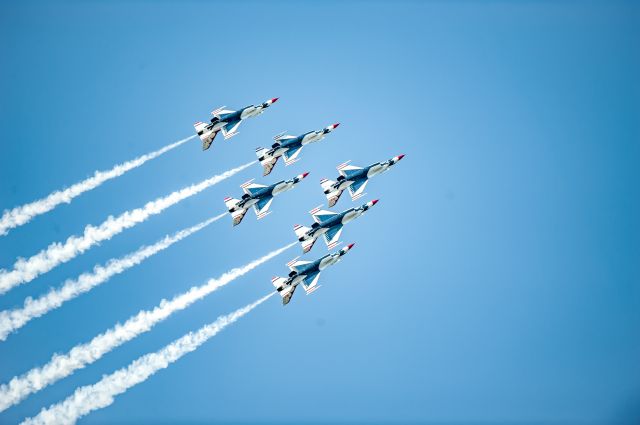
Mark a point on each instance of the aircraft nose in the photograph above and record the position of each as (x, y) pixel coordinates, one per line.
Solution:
(400, 157)
(336, 125)
(375, 201)
(350, 245)
(305, 174)
(274, 100)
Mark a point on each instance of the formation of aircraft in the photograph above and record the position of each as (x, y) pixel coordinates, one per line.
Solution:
(227, 121)
(289, 147)
(259, 197)
(327, 224)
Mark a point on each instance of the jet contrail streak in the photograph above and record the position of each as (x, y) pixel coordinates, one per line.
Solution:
(101, 394)
(62, 365)
(24, 213)
(12, 320)
(25, 270)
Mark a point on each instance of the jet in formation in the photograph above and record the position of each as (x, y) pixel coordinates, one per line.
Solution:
(227, 121)
(354, 178)
(307, 273)
(259, 197)
(289, 147)
(329, 225)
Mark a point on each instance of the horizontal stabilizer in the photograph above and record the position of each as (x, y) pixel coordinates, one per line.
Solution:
(231, 203)
(300, 230)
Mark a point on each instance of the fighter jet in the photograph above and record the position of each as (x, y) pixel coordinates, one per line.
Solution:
(354, 178)
(259, 197)
(307, 273)
(227, 121)
(289, 147)
(329, 225)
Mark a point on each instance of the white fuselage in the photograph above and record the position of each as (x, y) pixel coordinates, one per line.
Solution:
(283, 187)
(312, 137)
(251, 111)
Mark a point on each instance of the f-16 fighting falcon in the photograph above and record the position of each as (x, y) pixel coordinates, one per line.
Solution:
(307, 273)
(329, 225)
(227, 121)
(289, 147)
(354, 178)
(259, 197)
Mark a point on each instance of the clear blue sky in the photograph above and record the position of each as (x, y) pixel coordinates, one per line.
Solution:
(497, 281)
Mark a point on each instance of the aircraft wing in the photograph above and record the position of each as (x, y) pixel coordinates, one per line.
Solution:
(348, 170)
(251, 188)
(310, 282)
(230, 129)
(332, 236)
(262, 207)
(320, 216)
(294, 265)
(356, 189)
(291, 155)
(283, 136)
(220, 112)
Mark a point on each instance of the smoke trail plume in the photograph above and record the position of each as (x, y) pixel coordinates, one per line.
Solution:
(12, 320)
(99, 395)
(24, 213)
(25, 270)
(81, 355)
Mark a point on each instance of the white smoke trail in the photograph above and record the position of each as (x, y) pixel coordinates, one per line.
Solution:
(24, 213)
(12, 320)
(57, 253)
(99, 395)
(82, 355)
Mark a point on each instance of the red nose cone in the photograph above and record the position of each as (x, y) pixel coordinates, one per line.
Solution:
(305, 174)
(274, 100)
(400, 157)
(350, 245)
(336, 125)
(375, 201)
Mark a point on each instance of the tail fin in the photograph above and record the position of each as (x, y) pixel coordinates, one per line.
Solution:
(268, 162)
(331, 194)
(205, 135)
(237, 216)
(285, 291)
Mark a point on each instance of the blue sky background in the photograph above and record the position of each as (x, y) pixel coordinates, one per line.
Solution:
(497, 281)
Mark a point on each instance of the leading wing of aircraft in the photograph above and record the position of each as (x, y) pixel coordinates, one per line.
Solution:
(221, 112)
(295, 264)
(348, 170)
(310, 282)
(262, 207)
(251, 188)
(283, 136)
(356, 189)
(332, 236)
(320, 216)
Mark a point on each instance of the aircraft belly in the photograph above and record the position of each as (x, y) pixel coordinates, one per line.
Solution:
(350, 216)
(282, 187)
